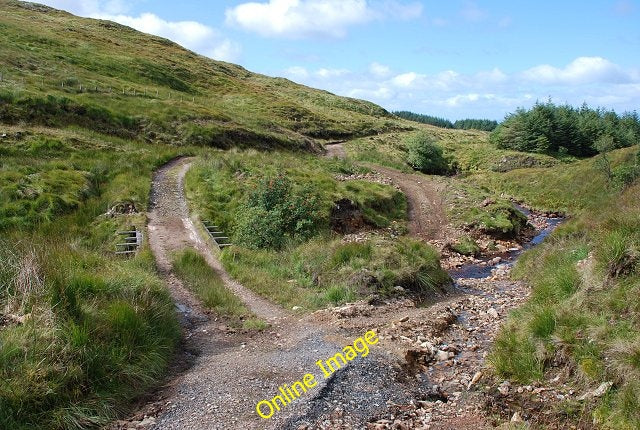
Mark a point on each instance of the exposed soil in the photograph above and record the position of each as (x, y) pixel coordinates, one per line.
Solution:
(335, 150)
(427, 217)
(424, 373)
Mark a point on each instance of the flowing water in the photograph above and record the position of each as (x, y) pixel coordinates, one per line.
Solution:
(480, 270)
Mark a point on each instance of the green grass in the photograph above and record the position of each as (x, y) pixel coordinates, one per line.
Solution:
(120, 81)
(466, 246)
(321, 271)
(47, 173)
(568, 188)
(219, 186)
(101, 330)
(470, 149)
(207, 285)
(324, 271)
(587, 315)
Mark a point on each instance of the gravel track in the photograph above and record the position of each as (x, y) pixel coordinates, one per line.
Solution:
(229, 371)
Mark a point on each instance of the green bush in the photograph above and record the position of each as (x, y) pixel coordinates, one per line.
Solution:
(274, 213)
(425, 155)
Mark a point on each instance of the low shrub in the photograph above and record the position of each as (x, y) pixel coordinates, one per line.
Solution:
(425, 155)
(273, 213)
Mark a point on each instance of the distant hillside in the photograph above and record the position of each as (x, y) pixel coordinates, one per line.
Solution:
(58, 69)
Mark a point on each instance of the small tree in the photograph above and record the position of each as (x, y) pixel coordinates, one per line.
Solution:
(603, 145)
(425, 155)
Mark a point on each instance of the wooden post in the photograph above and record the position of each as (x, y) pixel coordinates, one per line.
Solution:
(157, 93)
(123, 90)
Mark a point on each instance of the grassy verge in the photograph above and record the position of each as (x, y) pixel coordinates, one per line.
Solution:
(325, 271)
(320, 269)
(469, 148)
(569, 187)
(83, 332)
(583, 317)
(200, 278)
(473, 197)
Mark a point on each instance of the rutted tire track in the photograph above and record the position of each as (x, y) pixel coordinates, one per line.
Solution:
(171, 229)
(229, 371)
(233, 371)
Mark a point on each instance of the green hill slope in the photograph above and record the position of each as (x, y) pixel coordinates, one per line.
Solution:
(111, 78)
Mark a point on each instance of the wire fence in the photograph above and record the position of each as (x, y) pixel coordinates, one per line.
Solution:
(17, 82)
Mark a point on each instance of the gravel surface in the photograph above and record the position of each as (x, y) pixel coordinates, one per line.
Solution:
(425, 373)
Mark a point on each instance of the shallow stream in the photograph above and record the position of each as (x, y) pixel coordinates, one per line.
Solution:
(480, 270)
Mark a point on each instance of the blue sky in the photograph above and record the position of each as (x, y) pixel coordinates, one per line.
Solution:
(454, 59)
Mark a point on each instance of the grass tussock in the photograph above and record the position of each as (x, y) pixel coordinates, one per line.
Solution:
(324, 271)
(95, 334)
(94, 331)
(584, 310)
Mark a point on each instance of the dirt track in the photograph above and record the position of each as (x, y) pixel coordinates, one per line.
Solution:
(231, 371)
(427, 217)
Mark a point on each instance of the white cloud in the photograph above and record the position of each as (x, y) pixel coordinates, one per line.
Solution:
(190, 34)
(493, 76)
(296, 72)
(440, 22)
(487, 93)
(301, 73)
(331, 73)
(379, 70)
(407, 80)
(309, 18)
(88, 7)
(582, 70)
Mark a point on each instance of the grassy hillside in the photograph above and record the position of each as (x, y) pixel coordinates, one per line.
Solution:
(88, 109)
(58, 69)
